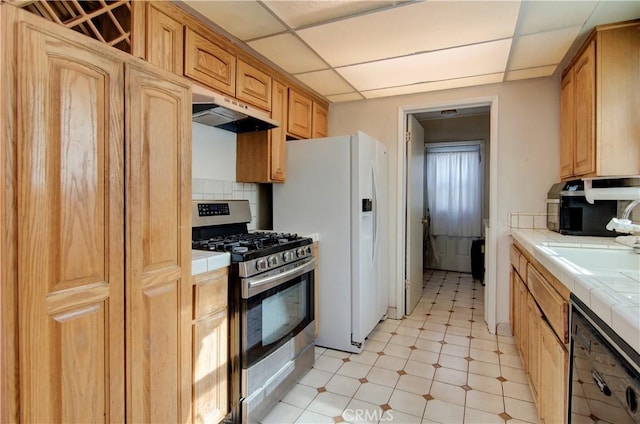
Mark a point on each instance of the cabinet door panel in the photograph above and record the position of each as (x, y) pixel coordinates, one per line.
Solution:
(71, 214)
(553, 378)
(210, 368)
(158, 253)
(534, 318)
(585, 143)
(300, 113)
(567, 125)
(320, 123)
(278, 140)
(209, 64)
(253, 86)
(165, 40)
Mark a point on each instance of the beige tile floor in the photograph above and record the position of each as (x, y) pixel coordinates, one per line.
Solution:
(438, 365)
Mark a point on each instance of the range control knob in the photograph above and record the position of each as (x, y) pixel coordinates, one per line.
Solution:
(261, 264)
(273, 261)
(288, 256)
(307, 250)
(300, 252)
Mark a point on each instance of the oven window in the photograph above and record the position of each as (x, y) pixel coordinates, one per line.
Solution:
(276, 315)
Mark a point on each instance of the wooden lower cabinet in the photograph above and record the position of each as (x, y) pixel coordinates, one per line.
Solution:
(210, 347)
(544, 353)
(534, 321)
(100, 211)
(554, 375)
(519, 313)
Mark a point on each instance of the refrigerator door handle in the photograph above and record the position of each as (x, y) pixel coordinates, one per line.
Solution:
(375, 215)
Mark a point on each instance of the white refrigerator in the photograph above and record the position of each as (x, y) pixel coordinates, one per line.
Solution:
(337, 187)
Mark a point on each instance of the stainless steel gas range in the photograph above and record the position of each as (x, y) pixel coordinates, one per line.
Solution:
(271, 312)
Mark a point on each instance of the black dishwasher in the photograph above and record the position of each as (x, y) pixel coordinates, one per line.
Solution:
(604, 372)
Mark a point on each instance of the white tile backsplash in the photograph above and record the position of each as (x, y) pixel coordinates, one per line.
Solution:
(206, 189)
(528, 220)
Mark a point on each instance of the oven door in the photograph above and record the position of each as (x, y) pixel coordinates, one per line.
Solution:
(276, 306)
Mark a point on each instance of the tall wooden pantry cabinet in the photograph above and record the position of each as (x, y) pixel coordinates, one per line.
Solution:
(95, 298)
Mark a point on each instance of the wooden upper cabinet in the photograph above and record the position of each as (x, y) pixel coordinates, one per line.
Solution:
(278, 141)
(209, 63)
(600, 99)
(584, 72)
(164, 38)
(320, 124)
(567, 126)
(70, 202)
(253, 86)
(158, 253)
(261, 156)
(299, 115)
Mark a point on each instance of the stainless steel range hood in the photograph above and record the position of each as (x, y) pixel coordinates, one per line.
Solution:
(229, 114)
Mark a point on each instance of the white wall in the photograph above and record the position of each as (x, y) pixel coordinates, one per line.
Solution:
(214, 153)
(214, 170)
(528, 152)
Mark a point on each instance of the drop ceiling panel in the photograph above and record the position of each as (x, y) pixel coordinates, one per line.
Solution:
(614, 11)
(242, 19)
(545, 48)
(418, 27)
(543, 71)
(345, 97)
(479, 59)
(297, 14)
(435, 86)
(540, 16)
(288, 52)
(325, 82)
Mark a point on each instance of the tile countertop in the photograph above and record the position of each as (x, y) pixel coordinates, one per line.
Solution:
(613, 296)
(203, 261)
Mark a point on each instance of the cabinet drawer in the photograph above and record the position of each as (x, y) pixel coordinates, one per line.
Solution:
(553, 306)
(209, 292)
(518, 261)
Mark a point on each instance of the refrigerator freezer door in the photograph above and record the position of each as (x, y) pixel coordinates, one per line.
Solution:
(364, 292)
(317, 199)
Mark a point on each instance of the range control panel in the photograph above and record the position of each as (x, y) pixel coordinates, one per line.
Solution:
(213, 209)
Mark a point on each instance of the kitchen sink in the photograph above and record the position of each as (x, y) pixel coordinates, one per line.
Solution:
(594, 258)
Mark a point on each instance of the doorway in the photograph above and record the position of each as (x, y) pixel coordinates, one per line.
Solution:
(434, 112)
(454, 199)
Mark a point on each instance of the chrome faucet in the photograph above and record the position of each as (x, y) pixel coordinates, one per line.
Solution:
(625, 225)
(627, 211)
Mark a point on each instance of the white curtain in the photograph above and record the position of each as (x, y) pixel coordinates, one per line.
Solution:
(454, 191)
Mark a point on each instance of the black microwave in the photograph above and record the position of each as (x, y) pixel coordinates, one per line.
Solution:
(568, 211)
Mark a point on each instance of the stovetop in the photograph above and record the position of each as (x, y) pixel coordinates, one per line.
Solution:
(247, 246)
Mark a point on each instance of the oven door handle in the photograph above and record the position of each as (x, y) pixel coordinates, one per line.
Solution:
(254, 286)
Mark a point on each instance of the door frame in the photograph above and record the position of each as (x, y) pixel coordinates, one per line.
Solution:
(491, 259)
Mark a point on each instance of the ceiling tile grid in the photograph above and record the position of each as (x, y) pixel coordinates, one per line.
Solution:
(348, 50)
